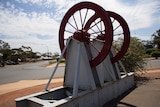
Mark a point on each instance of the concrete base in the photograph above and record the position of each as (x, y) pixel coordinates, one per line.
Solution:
(61, 96)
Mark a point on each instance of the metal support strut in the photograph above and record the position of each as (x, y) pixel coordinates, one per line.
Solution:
(46, 88)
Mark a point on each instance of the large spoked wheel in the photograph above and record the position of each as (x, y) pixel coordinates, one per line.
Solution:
(120, 31)
(74, 25)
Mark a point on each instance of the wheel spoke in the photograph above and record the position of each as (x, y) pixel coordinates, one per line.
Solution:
(80, 17)
(69, 31)
(72, 26)
(84, 18)
(94, 25)
(91, 44)
(118, 34)
(117, 27)
(113, 21)
(97, 27)
(97, 39)
(75, 21)
(94, 32)
(101, 26)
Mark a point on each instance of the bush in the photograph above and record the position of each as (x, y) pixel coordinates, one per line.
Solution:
(149, 51)
(133, 59)
(155, 54)
(146, 56)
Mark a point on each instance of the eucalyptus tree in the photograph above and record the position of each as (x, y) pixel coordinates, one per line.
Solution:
(156, 38)
(4, 51)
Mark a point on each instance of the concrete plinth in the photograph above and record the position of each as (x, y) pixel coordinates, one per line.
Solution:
(60, 97)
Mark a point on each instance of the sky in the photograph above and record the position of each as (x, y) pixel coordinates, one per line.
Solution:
(36, 23)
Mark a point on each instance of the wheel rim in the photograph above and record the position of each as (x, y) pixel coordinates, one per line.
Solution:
(124, 32)
(119, 28)
(70, 27)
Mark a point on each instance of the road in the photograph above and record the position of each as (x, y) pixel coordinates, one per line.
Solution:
(14, 73)
(153, 64)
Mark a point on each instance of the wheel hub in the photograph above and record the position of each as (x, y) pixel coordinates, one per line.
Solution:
(81, 35)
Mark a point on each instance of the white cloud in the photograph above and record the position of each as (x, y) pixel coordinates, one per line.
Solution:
(15, 24)
(138, 16)
(37, 45)
(46, 3)
(19, 29)
(22, 28)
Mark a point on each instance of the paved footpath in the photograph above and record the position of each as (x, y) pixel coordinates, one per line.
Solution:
(146, 94)
(6, 88)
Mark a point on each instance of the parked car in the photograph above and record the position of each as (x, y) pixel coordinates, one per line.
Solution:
(9, 62)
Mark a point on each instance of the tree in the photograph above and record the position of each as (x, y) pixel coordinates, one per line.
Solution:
(16, 55)
(37, 55)
(4, 51)
(133, 59)
(27, 52)
(4, 45)
(156, 39)
(148, 44)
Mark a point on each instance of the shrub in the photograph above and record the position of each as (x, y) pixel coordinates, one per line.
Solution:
(149, 51)
(133, 59)
(155, 54)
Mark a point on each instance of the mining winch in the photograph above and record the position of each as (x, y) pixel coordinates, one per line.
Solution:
(92, 71)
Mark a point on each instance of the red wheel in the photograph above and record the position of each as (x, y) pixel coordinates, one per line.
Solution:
(74, 25)
(120, 30)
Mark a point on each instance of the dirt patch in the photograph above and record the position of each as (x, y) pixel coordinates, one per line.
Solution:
(147, 77)
(153, 75)
(8, 100)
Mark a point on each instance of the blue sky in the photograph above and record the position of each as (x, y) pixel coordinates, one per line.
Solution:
(36, 23)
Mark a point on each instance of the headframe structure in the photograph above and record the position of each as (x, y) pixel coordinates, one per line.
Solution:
(92, 76)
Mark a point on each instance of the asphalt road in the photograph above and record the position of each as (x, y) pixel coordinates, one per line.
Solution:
(153, 64)
(14, 73)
